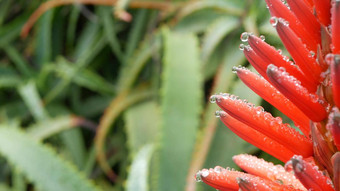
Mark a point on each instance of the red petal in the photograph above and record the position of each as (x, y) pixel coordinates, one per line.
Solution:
(323, 149)
(334, 62)
(298, 51)
(308, 103)
(333, 126)
(336, 170)
(335, 27)
(265, 90)
(264, 169)
(220, 178)
(259, 64)
(256, 138)
(322, 9)
(309, 176)
(270, 56)
(265, 123)
(278, 9)
(257, 183)
(306, 17)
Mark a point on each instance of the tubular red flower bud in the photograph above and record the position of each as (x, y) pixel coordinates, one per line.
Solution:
(257, 183)
(322, 150)
(278, 9)
(265, 123)
(301, 55)
(336, 170)
(333, 126)
(322, 9)
(256, 138)
(270, 56)
(302, 12)
(308, 103)
(264, 89)
(309, 175)
(335, 11)
(220, 178)
(267, 170)
(334, 62)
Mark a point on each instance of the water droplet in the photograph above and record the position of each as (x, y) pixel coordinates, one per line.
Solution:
(263, 38)
(218, 169)
(279, 51)
(213, 99)
(273, 21)
(311, 54)
(241, 47)
(234, 69)
(244, 37)
(217, 114)
(329, 58)
(204, 173)
(198, 177)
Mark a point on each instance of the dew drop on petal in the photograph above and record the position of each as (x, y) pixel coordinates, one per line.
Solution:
(244, 37)
(241, 47)
(263, 38)
(273, 21)
(213, 99)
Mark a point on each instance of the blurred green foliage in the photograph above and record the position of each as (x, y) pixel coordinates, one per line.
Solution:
(87, 85)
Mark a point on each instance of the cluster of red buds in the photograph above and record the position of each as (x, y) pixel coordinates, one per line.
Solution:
(307, 90)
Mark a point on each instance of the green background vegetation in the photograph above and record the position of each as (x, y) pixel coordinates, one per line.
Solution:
(85, 84)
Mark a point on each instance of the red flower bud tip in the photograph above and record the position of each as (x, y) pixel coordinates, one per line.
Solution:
(220, 178)
(334, 62)
(333, 126)
(257, 183)
(264, 169)
(270, 56)
(335, 11)
(259, 64)
(336, 170)
(255, 138)
(309, 175)
(278, 9)
(301, 55)
(323, 149)
(265, 123)
(308, 103)
(322, 9)
(305, 16)
(265, 90)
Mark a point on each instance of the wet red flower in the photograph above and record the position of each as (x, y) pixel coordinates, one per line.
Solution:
(307, 90)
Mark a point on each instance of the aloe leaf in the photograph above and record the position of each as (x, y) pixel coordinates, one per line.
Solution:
(110, 32)
(142, 125)
(40, 164)
(45, 129)
(181, 107)
(30, 95)
(44, 39)
(136, 62)
(219, 29)
(139, 171)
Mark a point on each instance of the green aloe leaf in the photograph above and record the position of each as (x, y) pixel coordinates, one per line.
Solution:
(181, 107)
(139, 171)
(40, 164)
(142, 124)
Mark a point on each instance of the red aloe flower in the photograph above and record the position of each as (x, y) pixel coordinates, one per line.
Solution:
(306, 89)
